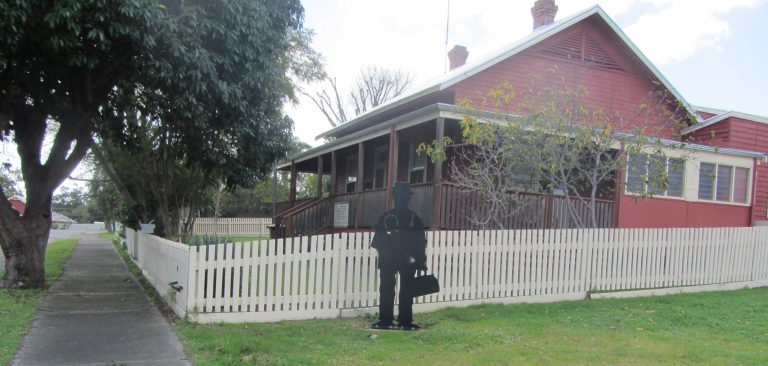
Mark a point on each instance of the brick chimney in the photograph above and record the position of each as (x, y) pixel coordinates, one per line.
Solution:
(457, 56)
(543, 12)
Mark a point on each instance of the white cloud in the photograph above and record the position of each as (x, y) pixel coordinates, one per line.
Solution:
(676, 29)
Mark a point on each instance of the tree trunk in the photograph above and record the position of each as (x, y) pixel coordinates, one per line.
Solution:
(24, 246)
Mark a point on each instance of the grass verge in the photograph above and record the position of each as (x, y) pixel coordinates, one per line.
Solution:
(693, 329)
(19, 307)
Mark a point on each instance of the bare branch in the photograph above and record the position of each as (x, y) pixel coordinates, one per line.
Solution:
(374, 86)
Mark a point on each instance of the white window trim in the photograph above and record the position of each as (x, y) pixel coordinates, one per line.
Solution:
(645, 181)
(730, 201)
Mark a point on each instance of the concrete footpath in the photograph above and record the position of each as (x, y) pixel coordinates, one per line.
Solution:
(97, 314)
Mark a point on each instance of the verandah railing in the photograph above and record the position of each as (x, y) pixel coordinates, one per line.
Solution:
(326, 276)
(458, 208)
(527, 211)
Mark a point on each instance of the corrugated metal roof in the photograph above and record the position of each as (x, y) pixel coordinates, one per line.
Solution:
(461, 73)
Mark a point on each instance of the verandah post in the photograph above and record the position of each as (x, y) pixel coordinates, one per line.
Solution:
(292, 192)
(359, 184)
(319, 192)
(394, 147)
(438, 197)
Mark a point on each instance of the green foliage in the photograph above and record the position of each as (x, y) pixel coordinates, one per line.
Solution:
(198, 240)
(695, 329)
(18, 307)
(207, 78)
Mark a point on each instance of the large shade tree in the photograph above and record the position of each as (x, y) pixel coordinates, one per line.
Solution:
(217, 70)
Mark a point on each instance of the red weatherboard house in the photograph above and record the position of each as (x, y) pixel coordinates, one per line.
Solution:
(18, 204)
(723, 180)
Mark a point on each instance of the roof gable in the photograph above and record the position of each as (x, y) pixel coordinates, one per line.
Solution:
(559, 49)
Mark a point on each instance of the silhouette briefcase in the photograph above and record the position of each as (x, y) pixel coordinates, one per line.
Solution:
(424, 285)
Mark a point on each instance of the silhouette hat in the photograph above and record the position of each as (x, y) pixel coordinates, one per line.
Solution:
(401, 188)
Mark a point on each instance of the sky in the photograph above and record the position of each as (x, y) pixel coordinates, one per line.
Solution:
(712, 51)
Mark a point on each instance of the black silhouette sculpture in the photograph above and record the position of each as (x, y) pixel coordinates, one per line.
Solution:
(401, 242)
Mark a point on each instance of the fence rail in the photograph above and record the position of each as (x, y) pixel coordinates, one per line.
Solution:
(326, 276)
(238, 226)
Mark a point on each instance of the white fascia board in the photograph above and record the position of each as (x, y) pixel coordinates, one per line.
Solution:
(709, 110)
(722, 117)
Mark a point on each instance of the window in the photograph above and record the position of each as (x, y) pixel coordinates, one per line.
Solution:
(418, 173)
(351, 173)
(380, 162)
(659, 175)
(723, 183)
(706, 181)
(636, 173)
(740, 179)
(675, 177)
(723, 190)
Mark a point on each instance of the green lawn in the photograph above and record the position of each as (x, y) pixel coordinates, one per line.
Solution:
(723, 328)
(19, 307)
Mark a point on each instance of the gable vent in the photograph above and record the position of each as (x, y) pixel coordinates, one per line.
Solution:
(581, 47)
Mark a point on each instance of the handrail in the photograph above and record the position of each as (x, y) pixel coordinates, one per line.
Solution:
(288, 215)
(299, 207)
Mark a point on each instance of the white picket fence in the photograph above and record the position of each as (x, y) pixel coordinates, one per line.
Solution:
(238, 226)
(162, 262)
(327, 276)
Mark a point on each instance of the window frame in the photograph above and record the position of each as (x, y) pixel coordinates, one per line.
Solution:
(732, 188)
(383, 165)
(647, 185)
(351, 161)
(412, 156)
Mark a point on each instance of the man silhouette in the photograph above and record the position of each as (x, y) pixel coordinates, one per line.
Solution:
(401, 243)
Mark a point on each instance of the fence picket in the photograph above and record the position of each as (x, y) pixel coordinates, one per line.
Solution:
(319, 276)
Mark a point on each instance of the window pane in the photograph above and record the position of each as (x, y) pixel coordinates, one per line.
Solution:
(417, 176)
(724, 182)
(636, 173)
(657, 166)
(740, 179)
(675, 181)
(706, 180)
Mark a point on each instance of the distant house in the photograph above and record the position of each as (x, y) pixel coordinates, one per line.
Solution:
(723, 183)
(58, 221)
(18, 204)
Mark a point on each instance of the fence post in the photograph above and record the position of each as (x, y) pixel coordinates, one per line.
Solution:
(752, 239)
(191, 279)
(136, 245)
(340, 246)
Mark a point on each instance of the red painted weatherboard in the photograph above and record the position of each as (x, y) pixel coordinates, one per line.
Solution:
(661, 212)
(621, 91)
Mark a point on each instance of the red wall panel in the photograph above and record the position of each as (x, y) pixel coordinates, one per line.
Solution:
(659, 213)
